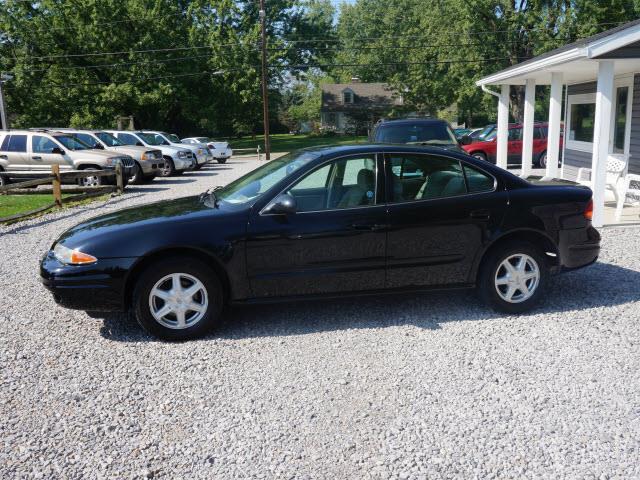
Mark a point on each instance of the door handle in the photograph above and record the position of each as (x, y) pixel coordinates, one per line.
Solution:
(480, 214)
(36, 158)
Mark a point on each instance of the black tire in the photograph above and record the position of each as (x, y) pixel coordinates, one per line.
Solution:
(185, 265)
(479, 156)
(169, 168)
(542, 160)
(221, 160)
(4, 180)
(148, 178)
(137, 176)
(91, 181)
(198, 166)
(491, 268)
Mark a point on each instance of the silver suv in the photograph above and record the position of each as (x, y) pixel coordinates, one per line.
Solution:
(149, 162)
(177, 160)
(37, 150)
(200, 152)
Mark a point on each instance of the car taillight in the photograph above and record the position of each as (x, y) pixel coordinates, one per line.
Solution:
(588, 210)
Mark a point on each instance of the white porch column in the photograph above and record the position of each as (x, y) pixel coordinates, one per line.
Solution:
(601, 136)
(527, 127)
(555, 117)
(502, 133)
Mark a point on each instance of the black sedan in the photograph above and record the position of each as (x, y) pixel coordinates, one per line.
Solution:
(326, 222)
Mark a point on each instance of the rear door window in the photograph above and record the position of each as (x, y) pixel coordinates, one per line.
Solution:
(15, 143)
(424, 177)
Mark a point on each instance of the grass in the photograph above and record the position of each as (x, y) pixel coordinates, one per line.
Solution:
(287, 143)
(15, 204)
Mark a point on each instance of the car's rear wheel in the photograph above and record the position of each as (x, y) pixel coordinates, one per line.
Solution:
(513, 277)
(221, 160)
(479, 156)
(168, 169)
(542, 160)
(178, 298)
(3, 180)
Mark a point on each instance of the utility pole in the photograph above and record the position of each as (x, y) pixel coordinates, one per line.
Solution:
(3, 106)
(265, 81)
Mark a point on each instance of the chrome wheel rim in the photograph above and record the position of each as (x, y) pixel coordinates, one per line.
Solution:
(91, 181)
(135, 177)
(517, 278)
(178, 301)
(543, 160)
(166, 169)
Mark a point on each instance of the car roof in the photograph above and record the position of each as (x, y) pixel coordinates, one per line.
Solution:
(405, 121)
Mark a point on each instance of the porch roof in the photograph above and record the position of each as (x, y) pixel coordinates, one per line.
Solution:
(577, 61)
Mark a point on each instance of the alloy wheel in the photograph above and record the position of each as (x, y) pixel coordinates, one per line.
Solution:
(92, 181)
(178, 301)
(517, 278)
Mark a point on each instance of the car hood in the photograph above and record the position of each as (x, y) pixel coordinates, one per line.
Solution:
(131, 150)
(133, 231)
(97, 154)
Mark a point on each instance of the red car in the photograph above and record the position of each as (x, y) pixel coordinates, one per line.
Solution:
(486, 149)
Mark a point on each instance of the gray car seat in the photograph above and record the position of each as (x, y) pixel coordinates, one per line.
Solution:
(442, 184)
(357, 195)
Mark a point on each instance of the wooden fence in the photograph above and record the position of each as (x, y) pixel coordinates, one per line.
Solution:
(55, 178)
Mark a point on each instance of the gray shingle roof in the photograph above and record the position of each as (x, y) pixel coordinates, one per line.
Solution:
(369, 95)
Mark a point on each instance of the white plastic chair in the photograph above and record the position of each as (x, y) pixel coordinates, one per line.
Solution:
(616, 169)
(629, 193)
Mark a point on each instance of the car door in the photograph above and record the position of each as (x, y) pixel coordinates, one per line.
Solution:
(436, 231)
(14, 151)
(514, 146)
(42, 155)
(334, 242)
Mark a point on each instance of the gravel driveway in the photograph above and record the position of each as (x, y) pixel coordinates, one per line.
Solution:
(415, 386)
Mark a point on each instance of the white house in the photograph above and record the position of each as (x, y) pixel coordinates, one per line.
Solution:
(600, 78)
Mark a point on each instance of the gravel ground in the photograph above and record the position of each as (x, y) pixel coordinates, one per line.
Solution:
(421, 386)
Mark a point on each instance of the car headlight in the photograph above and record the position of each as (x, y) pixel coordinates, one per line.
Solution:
(182, 154)
(148, 156)
(111, 162)
(72, 257)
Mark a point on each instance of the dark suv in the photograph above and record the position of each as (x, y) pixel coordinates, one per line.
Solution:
(416, 131)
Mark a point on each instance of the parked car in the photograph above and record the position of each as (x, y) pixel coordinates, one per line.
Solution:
(482, 133)
(200, 152)
(221, 151)
(148, 163)
(461, 132)
(327, 221)
(176, 160)
(487, 149)
(416, 131)
(37, 150)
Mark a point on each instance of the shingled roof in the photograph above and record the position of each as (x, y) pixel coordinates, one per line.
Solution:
(367, 95)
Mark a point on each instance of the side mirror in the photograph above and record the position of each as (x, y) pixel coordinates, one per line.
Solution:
(283, 204)
(466, 140)
(57, 150)
(139, 144)
(98, 146)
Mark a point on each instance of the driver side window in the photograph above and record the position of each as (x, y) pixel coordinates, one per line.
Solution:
(345, 183)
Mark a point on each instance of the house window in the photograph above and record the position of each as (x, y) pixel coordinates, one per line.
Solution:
(582, 115)
(347, 96)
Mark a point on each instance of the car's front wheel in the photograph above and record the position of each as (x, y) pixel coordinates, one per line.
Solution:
(513, 277)
(479, 156)
(137, 176)
(178, 299)
(168, 169)
(90, 180)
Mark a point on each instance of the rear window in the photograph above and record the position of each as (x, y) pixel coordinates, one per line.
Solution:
(14, 143)
(433, 133)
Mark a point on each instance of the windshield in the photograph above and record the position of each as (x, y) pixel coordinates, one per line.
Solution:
(72, 143)
(174, 138)
(486, 132)
(153, 138)
(255, 183)
(436, 133)
(109, 140)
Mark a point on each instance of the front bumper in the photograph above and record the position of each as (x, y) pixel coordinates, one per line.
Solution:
(99, 287)
(579, 247)
(183, 163)
(151, 167)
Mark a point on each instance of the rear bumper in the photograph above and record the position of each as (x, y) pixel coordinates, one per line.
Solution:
(579, 247)
(97, 287)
